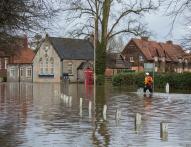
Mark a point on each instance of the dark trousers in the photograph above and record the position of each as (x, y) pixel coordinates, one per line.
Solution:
(149, 87)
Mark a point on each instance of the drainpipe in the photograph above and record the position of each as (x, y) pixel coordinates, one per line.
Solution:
(32, 73)
(19, 72)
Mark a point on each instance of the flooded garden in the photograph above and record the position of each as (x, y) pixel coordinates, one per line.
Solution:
(57, 115)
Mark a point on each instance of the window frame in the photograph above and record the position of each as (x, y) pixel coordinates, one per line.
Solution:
(22, 71)
(70, 68)
(5, 62)
(131, 59)
(27, 72)
(52, 66)
(12, 72)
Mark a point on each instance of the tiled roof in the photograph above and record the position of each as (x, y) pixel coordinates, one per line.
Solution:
(23, 56)
(73, 49)
(150, 49)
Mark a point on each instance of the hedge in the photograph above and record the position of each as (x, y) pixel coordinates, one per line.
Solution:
(176, 80)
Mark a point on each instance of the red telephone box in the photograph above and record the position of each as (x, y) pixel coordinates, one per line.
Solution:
(88, 76)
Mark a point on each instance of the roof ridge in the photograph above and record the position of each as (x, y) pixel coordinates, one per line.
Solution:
(67, 38)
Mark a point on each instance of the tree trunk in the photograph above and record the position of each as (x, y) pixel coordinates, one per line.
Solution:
(101, 48)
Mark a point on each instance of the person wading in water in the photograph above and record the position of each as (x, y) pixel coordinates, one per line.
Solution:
(148, 84)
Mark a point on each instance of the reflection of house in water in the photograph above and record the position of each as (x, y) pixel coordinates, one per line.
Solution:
(15, 102)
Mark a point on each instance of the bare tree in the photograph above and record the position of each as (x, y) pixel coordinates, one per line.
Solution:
(180, 9)
(18, 16)
(107, 19)
(115, 44)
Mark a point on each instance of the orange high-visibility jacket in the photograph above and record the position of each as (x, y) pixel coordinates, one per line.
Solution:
(148, 80)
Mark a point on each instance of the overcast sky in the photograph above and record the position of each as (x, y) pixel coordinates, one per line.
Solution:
(158, 23)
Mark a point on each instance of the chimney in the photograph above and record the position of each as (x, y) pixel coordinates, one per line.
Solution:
(145, 38)
(169, 42)
(25, 42)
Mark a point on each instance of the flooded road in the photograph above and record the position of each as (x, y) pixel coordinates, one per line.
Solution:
(37, 115)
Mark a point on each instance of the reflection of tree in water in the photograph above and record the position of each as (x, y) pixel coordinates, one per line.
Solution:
(100, 131)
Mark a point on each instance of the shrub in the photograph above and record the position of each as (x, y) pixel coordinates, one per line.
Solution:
(176, 80)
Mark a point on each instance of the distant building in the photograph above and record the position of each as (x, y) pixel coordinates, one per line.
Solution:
(58, 59)
(166, 56)
(115, 64)
(4, 60)
(19, 68)
(11, 54)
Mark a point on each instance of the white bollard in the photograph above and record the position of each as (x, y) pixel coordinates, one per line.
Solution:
(138, 119)
(104, 111)
(70, 101)
(90, 109)
(164, 130)
(67, 100)
(81, 100)
(118, 114)
(167, 87)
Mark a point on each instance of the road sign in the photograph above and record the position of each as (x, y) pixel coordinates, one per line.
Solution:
(149, 67)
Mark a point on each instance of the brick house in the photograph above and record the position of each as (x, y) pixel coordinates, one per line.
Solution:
(61, 58)
(4, 59)
(8, 54)
(166, 56)
(19, 68)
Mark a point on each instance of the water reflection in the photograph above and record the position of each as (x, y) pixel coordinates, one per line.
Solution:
(101, 136)
(49, 115)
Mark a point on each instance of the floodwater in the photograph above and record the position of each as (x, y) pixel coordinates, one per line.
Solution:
(42, 115)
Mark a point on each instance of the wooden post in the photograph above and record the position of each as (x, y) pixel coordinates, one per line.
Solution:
(164, 130)
(104, 111)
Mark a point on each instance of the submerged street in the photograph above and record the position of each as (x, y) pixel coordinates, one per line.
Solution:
(34, 115)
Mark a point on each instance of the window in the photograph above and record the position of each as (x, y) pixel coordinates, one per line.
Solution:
(140, 58)
(22, 72)
(12, 72)
(70, 68)
(46, 66)
(131, 59)
(52, 66)
(29, 72)
(41, 67)
(6, 62)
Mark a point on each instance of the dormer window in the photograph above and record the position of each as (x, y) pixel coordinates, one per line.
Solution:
(131, 59)
(141, 58)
